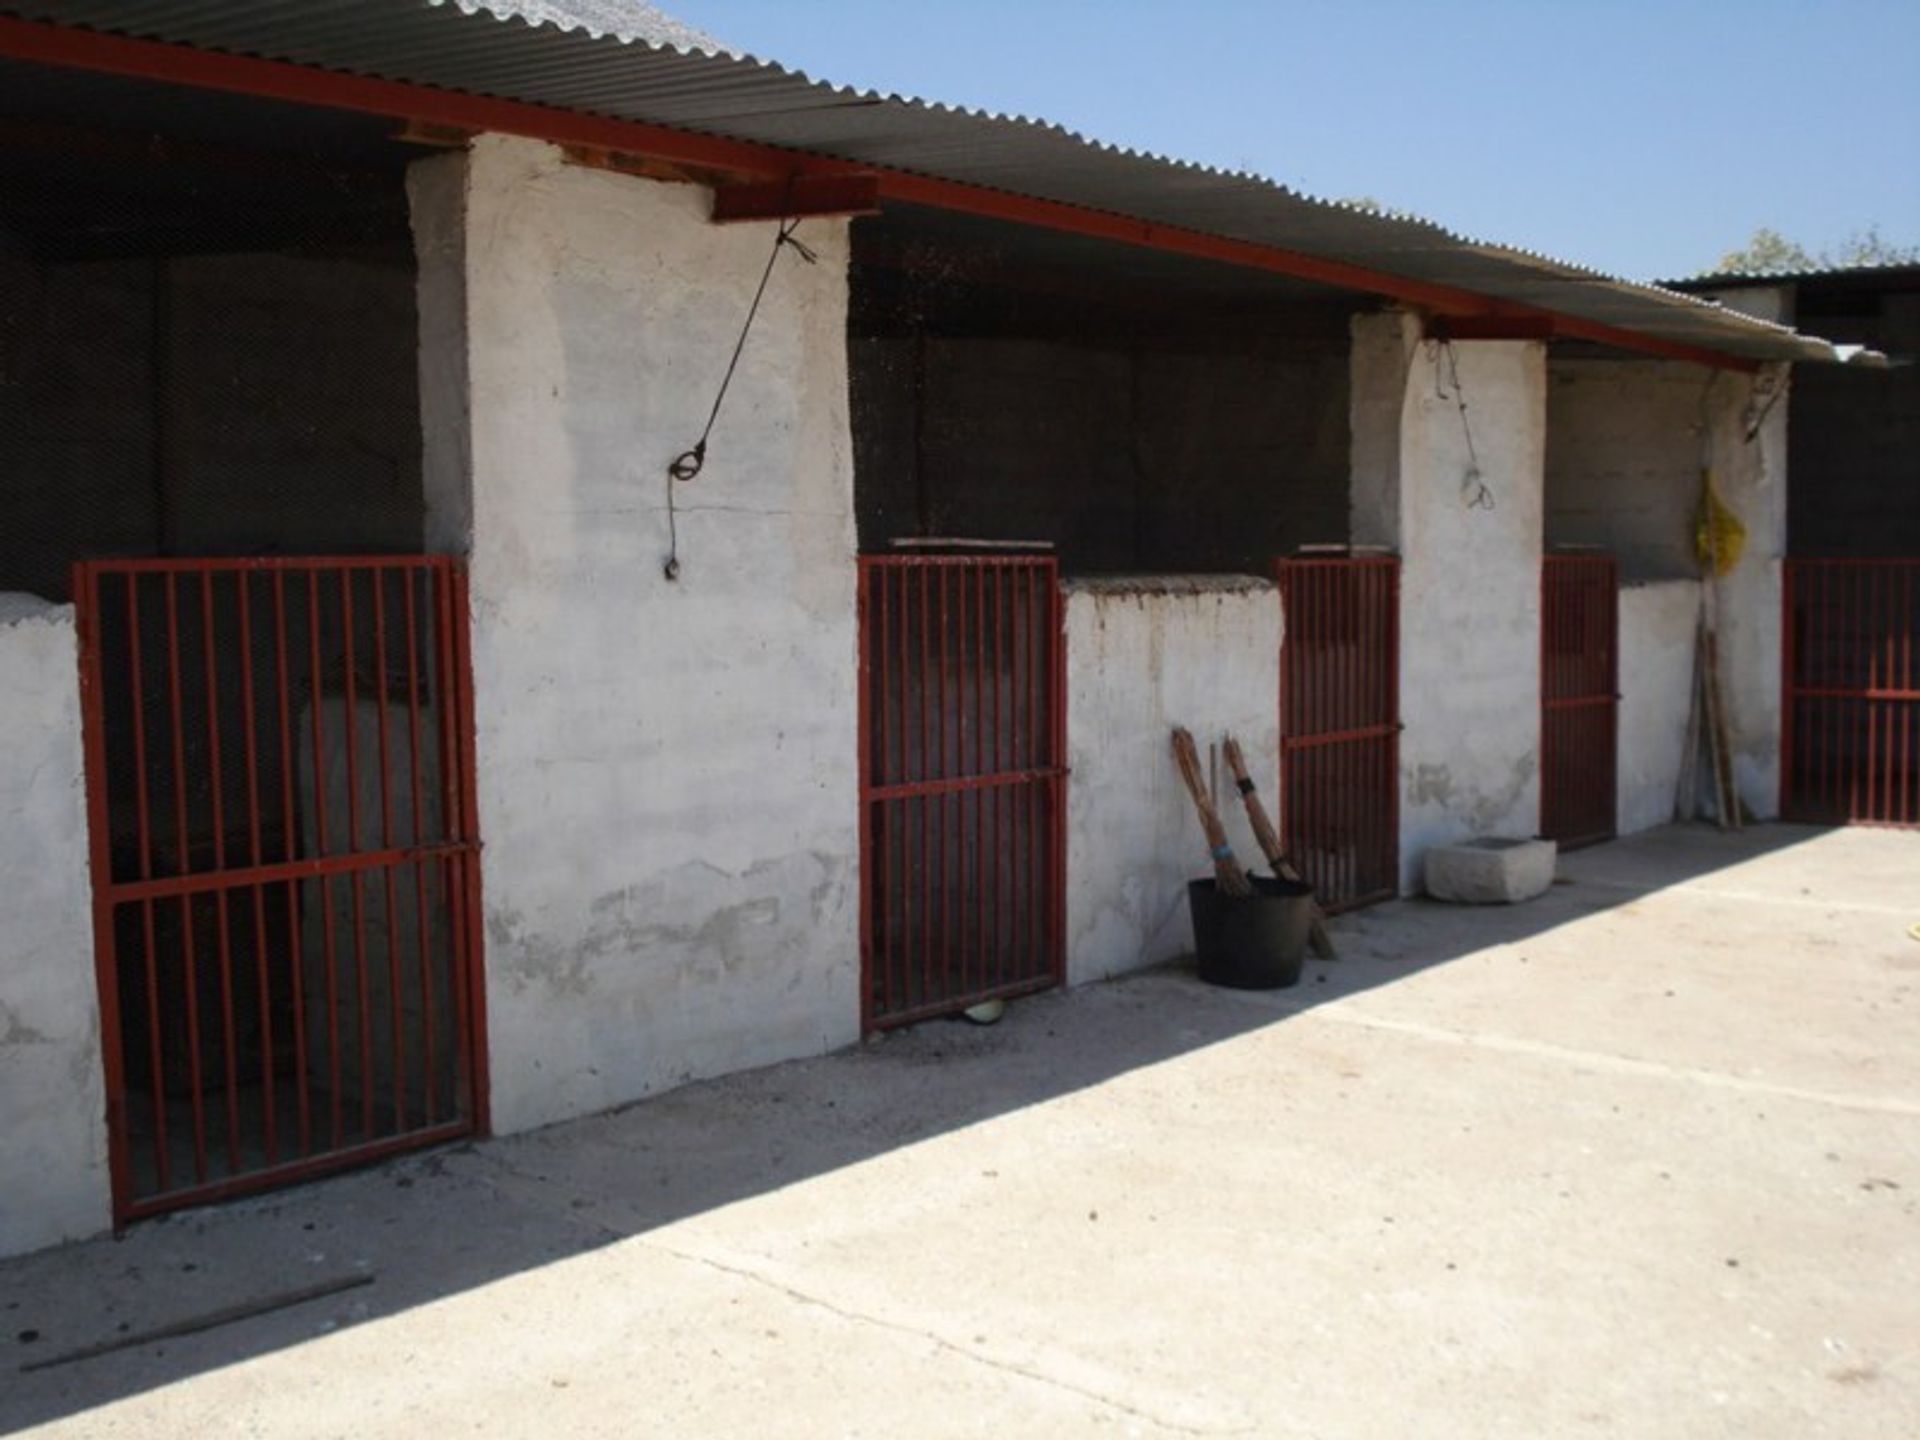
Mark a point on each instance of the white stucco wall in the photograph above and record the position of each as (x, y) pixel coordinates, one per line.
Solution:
(1145, 655)
(667, 772)
(53, 1139)
(1657, 624)
(1470, 579)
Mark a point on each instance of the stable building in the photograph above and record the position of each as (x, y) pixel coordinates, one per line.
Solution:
(540, 565)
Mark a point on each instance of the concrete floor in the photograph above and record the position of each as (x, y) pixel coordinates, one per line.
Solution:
(1641, 1158)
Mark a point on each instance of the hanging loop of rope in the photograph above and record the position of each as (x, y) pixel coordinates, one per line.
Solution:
(687, 465)
(1475, 493)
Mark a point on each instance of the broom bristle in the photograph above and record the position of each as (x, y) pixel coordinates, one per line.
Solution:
(1227, 872)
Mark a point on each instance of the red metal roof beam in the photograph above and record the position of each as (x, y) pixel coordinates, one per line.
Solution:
(718, 157)
(800, 197)
(1491, 327)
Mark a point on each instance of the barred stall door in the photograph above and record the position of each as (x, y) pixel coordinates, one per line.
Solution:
(962, 782)
(281, 812)
(1340, 725)
(1850, 727)
(1579, 703)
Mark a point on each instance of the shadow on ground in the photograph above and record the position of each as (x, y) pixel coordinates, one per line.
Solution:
(434, 1225)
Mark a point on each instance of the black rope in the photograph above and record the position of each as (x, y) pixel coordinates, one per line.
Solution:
(685, 466)
(1475, 493)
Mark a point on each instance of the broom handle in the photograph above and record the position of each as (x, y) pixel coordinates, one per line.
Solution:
(1264, 832)
(1232, 879)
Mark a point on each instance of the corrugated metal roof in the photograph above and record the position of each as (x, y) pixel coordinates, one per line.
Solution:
(516, 49)
(1891, 270)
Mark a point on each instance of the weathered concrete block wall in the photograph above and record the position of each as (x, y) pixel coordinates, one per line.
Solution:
(1144, 655)
(667, 771)
(1470, 580)
(1624, 451)
(1129, 460)
(205, 405)
(53, 1138)
(1657, 625)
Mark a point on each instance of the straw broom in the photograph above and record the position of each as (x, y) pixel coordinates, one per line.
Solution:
(1227, 872)
(1269, 839)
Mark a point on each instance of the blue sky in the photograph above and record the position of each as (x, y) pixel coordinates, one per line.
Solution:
(1641, 138)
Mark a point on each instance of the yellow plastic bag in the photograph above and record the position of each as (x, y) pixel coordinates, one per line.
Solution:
(1719, 538)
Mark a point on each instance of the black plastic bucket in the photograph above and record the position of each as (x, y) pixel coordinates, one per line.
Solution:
(1256, 942)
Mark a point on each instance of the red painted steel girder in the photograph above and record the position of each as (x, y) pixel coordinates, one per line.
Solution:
(182, 65)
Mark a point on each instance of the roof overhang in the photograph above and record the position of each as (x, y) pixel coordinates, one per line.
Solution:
(726, 120)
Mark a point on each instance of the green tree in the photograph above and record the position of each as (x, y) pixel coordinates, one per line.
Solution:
(1766, 253)
(1771, 253)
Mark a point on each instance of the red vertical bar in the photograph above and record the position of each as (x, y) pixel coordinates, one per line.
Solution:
(899, 956)
(290, 848)
(416, 837)
(925, 804)
(251, 740)
(1321, 698)
(90, 617)
(943, 814)
(977, 832)
(395, 994)
(1870, 654)
(460, 808)
(183, 863)
(144, 823)
(1036, 722)
(997, 960)
(1057, 762)
(871, 622)
(355, 841)
(230, 1035)
(453, 873)
(472, 966)
(1910, 790)
(1855, 618)
(323, 845)
(1890, 575)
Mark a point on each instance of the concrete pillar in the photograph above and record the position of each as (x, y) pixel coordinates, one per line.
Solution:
(1749, 459)
(53, 1136)
(1470, 578)
(667, 770)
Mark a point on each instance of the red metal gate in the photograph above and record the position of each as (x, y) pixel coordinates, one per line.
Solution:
(962, 782)
(1850, 724)
(281, 807)
(1579, 699)
(1340, 725)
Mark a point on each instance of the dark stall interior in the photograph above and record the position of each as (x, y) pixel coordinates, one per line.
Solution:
(208, 348)
(207, 328)
(1142, 412)
(1853, 436)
